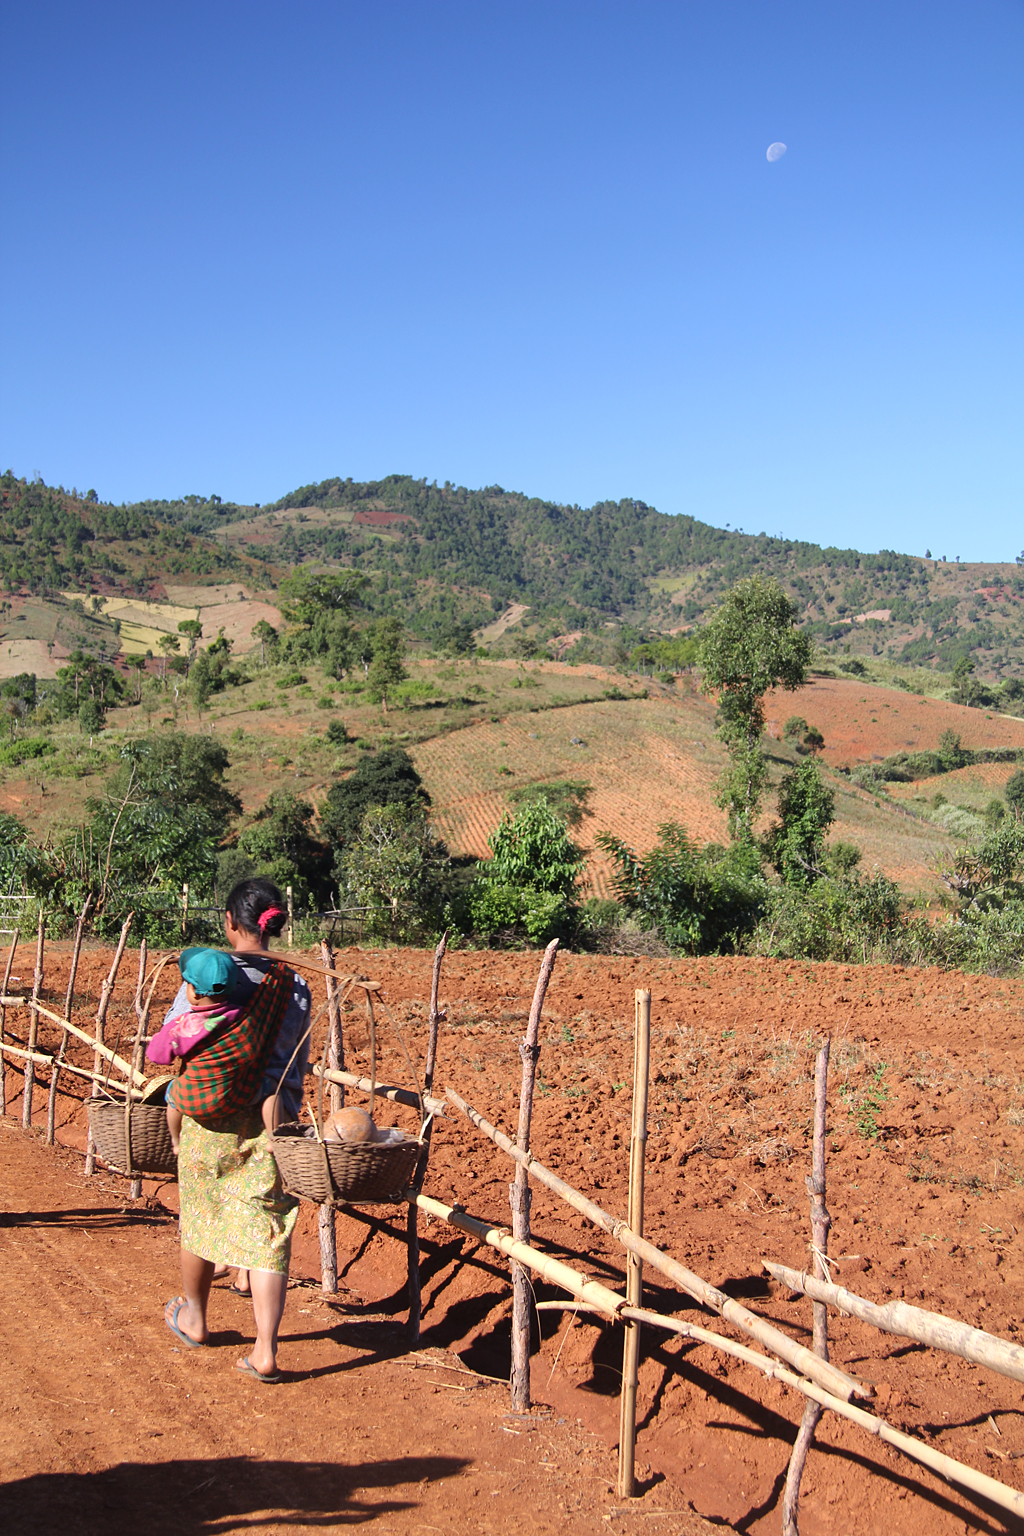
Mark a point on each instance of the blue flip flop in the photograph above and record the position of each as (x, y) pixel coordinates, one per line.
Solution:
(172, 1323)
(269, 1380)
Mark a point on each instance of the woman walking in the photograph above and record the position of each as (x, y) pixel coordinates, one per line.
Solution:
(234, 1211)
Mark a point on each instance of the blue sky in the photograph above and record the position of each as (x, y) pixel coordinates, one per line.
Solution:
(247, 246)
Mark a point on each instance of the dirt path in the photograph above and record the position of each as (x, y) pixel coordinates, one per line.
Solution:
(109, 1424)
(926, 1173)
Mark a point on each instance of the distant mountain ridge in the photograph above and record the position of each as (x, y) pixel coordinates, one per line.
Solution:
(444, 554)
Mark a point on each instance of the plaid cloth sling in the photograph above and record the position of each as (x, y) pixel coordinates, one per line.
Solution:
(222, 1076)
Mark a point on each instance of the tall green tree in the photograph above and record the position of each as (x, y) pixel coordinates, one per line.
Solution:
(282, 843)
(192, 629)
(795, 844)
(319, 606)
(750, 645)
(387, 777)
(387, 667)
(397, 872)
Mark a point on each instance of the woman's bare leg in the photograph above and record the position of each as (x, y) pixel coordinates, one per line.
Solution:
(196, 1279)
(269, 1294)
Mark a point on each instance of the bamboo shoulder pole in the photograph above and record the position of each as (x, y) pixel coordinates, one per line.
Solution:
(435, 1107)
(820, 1223)
(326, 1225)
(3, 1020)
(954, 1471)
(909, 1322)
(797, 1355)
(519, 1192)
(69, 998)
(412, 1226)
(634, 1265)
(101, 1018)
(33, 1024)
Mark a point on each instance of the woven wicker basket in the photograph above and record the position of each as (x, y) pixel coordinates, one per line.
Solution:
(151, 1149)
(343, 1173)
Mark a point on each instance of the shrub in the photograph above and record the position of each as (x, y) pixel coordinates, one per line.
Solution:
(840, 918)
(702, 900)
(14, 753)
(499, 910)
(532, 850)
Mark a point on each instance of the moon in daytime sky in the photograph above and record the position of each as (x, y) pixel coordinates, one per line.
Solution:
(776, 151)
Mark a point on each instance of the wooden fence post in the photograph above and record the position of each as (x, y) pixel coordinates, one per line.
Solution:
(3, 1022)
(291, 915)
(33, 1024)
(101, 1019)
(184, 908)
(519, 1193)
(820, 1223)
(412, 1229)
(69, 998)
(335, 1059)
(137, 1058)
(635, 1222)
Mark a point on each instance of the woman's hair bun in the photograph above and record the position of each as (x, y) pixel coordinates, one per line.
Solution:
(258, 907)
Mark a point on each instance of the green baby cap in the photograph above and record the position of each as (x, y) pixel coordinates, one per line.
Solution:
(210, 971)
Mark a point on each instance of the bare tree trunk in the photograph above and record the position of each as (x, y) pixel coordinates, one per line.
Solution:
(820, 1223)
(519, 1193)
(412, 1230)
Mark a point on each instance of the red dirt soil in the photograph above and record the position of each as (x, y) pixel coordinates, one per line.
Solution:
(926, 1167)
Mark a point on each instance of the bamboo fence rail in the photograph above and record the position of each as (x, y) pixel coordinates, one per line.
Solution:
(909, 1322)
(435, 1107)
(830, 1377)
(946, 1466)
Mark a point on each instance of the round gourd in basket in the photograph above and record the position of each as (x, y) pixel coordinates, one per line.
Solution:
(151, 1148)
(344, 1172)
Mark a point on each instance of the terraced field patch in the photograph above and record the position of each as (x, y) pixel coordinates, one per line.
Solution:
(649, 761)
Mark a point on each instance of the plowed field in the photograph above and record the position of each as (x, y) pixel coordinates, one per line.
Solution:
(925, 1170)
(861, 721)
